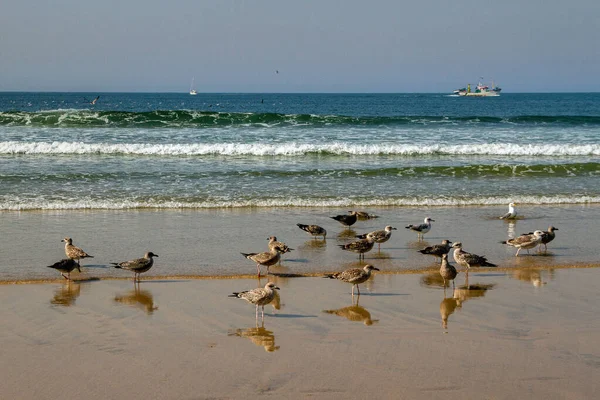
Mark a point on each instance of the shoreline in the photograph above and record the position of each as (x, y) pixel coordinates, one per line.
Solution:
(175, 278)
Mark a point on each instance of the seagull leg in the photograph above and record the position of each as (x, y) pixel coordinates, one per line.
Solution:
(258, 270)
(518, 250)
(263, 314)
(358, 289)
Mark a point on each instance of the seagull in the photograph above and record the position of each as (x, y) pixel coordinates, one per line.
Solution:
(511, 214)
(365, 215)
(547, 237)
(313, 230)
(259, 297)
(354, 276)
(422, 228)
(74, 252)
(266, 258)
(137, 266)
(469, 260)
(360, 246)
(65, 266)
(527, 241)
(447, 270)
(438, 250)
(284, 248)
(347, 220)
(379, 236)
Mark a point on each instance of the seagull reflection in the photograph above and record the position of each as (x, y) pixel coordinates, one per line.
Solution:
(259, 336)
(447, 308)
(348, 233)
(354, 313)
(467, 291)
(313, 245)
(511, 229)
(532, 275)
(141, 299)
(66, 294)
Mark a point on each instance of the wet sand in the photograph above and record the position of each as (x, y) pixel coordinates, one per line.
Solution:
(520, 333)
(208, 242)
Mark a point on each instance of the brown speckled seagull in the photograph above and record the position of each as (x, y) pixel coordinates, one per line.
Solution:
(447, 270)
(259, 297)
(469, 260)
(354, 276)
(74, 252)
(266, 258)
(138, 266)
(313, 230)
(379, 236)
(274, 243)
(528, 241)
(360, 246)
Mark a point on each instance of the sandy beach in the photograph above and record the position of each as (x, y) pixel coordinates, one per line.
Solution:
(525, 333)
(525, 329)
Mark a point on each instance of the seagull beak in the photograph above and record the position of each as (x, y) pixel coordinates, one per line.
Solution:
(395, 229)
(376, 269)
(276, 287)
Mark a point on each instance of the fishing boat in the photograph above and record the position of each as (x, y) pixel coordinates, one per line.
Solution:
(192, 90)
(481, 90)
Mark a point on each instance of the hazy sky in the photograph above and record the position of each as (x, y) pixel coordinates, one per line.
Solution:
(316, 45)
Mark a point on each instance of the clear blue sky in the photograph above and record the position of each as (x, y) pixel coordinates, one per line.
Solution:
(316, 45)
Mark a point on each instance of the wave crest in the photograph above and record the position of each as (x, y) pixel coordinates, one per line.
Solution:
(293, 149)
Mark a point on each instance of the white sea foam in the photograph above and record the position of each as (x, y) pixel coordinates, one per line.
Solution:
(292, 202)
(295, 149)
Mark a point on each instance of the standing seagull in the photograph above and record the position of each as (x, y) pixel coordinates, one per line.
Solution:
(313, 230)
(74, 252)
(549, 236)
(469, 260)
(259, 297)
(512, 212)
(360, 246)
(438, 250)
(266, 258)
(274, 243)
(528, 241)
(422, 228)
(379, 236)
(65, 266)
(138, 266)
(354, 276)
(447, 270)
(347, 220)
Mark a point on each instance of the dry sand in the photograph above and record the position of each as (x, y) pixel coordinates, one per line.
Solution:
(530, 333)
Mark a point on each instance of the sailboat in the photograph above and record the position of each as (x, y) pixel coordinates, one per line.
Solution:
(192, 90)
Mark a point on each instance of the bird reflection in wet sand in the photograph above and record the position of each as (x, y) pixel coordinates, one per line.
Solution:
(467, 291)
(66, 294)
(141, 299)
(259, 336)
(531, 275)
(354, 313)
(447, 308)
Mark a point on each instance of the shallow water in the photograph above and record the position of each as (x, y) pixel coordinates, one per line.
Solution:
(209, 242)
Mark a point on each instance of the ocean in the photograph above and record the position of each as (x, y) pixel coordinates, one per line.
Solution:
(199, 179)
(157, 151)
